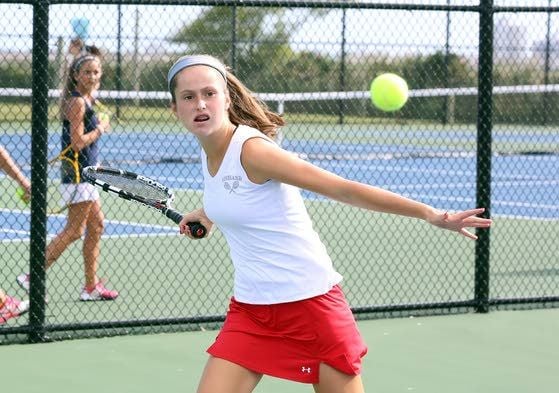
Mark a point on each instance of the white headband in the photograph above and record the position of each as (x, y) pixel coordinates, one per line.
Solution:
(193, 60)
(82, 60)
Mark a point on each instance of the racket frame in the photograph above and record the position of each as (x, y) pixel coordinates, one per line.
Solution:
(162, 205)
(75, 166)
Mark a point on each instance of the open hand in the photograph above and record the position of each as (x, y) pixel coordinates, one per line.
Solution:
(458, 222)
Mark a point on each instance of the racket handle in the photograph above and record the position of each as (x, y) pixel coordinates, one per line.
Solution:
(196, 229)
(173, 215)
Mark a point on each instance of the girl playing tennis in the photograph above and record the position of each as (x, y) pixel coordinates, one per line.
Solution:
(80, 135)
(288, 316)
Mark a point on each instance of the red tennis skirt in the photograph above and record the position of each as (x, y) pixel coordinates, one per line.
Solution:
(290, 340)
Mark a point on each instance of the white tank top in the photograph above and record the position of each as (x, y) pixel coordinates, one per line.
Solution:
(277, 255)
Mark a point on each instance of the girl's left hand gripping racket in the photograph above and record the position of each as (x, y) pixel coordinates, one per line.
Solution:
(135, 187)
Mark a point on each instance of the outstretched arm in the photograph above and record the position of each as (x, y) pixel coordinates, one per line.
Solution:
(263, 160)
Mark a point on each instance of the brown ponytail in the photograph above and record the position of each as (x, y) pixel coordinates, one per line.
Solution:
(249, 110)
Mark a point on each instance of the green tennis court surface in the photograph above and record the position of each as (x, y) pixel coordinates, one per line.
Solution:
(385, 260)
(500, 352)
(194, 279)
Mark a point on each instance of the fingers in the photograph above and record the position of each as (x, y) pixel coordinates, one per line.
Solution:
(469, 213)
(468, 234)
(468, 219)
(479, 223)
(183, 226)
(472, 220)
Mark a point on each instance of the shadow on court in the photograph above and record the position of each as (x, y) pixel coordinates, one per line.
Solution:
(499, 352)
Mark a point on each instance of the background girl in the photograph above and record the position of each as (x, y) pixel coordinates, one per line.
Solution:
(80, 135)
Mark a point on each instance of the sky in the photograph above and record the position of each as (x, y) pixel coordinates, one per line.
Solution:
(394, 30)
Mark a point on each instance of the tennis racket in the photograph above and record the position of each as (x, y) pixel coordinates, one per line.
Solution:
(138, 188)
(67, 161)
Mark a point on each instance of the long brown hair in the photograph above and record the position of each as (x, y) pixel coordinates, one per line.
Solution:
(249, 110)
(71, 82)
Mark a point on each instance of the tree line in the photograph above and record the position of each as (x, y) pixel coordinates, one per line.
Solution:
(261, 54)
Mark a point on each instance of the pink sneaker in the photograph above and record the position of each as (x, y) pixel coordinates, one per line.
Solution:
(99, 292)
(12, 308)
(23, 281)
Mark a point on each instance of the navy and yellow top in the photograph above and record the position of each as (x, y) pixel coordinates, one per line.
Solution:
(87, 156)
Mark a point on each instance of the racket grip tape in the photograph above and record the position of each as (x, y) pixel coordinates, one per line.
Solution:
(196, 229)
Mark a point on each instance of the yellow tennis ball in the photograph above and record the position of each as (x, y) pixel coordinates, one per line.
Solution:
(20, 192)
(102, 116)
(389, 92)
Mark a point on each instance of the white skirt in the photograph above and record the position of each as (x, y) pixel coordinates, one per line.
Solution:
(76, 193)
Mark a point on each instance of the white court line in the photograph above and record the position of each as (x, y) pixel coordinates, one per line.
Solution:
(389, 168)
(137, 224)
(532, 182)
(524, 204)
(526, 218)
(427, 186)
(493, 203)
(182, 180)
(539, 182)
(117, 236)
(409, 169)
(115, 222)
(17, 231)
(455, 199)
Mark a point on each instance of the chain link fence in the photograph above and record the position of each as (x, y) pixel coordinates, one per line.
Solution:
(479, 129)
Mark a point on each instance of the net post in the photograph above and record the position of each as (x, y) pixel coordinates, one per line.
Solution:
(484, 141)
(450, 109)
(39, 148)
(281, 106)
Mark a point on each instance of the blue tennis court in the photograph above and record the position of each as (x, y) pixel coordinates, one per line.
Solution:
(436, 167)
(16, 226)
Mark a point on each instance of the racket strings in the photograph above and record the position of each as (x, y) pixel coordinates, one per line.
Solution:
(134, 186)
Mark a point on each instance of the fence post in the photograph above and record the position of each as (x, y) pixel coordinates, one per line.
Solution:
(234, 23)
(484, 139)
(547, 70)
(39, 146)
(118, 70)
(341, 105)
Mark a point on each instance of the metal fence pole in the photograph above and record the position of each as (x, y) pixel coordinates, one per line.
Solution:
(118, 71)
(234, 23)
(546, 71)
(484, 129)
(447, 116)
(39, 146)
(341, 104)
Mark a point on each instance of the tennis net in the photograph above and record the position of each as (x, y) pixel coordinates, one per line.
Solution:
(438, 122)
(281, 99)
